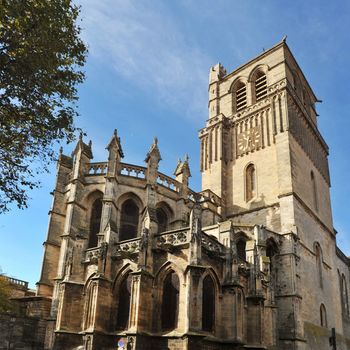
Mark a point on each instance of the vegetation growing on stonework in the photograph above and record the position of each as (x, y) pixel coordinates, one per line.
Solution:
(41, 60)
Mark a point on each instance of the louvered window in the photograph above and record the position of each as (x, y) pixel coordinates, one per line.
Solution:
(260, 87)
(241, 97)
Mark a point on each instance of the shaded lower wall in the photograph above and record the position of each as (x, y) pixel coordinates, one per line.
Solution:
(317, 338)
(25, 328)
(131, 342)
(20, 332)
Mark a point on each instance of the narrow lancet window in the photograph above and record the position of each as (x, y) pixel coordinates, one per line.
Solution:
(170, 302)
(162, 219)
(250, 182)
(314, 191)
(129, 220)
(318, 254)
(208, 305)
(124, 303)
(95, 222)
(345, 300)
(323, 316)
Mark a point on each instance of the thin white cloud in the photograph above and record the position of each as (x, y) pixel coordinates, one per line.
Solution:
(145, 46)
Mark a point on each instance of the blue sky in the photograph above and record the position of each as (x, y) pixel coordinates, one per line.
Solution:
(147, 75)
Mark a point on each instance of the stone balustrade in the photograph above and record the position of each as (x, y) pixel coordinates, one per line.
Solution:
(212, 245)
(133, 170)
(99, 168)
(172, 238)
(139, 172)
(15, 281)
(127, 248)
(168, 182)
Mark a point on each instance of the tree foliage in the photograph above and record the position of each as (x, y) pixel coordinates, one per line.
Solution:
(41, 60)
(6, 304)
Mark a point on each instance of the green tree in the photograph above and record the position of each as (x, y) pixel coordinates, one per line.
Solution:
(5, 295)
(41, 60)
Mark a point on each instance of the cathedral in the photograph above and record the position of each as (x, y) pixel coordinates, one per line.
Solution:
(134, 259)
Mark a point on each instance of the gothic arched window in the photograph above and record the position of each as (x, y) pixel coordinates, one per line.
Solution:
(129, 220)
(162, 219)
(124, 303)
(250, 182)
(323, 316)
(170, 301)
(240, 246)
(95, 222)
(208, 304)
(314, 190)
(344, 291)
(260, 85)
(318, 254)
(90, 305)
(271, 250)
(240, 96)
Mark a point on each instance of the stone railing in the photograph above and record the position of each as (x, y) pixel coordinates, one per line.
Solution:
(99, 168)
(204, 196)
(212, 245)
(172, 238)
(211, 197)
(168, 182)
(16, 282)
(133, 170)
(127, 248)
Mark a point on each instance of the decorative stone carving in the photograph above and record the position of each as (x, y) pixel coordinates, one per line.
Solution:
(172, 239)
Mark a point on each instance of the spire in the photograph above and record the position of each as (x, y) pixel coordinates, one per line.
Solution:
(152, 159)
(153, 153)
(83, 147)
(115, 153)
(182, 171)
(115, 144)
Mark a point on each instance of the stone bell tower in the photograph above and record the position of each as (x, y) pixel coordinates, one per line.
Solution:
(261, 148)
(262, 153)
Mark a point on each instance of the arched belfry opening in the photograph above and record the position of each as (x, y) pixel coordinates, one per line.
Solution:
(95, 222)
(260, 86)
(129, 220)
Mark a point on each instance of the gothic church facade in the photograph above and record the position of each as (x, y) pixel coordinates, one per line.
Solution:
(135, 259)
